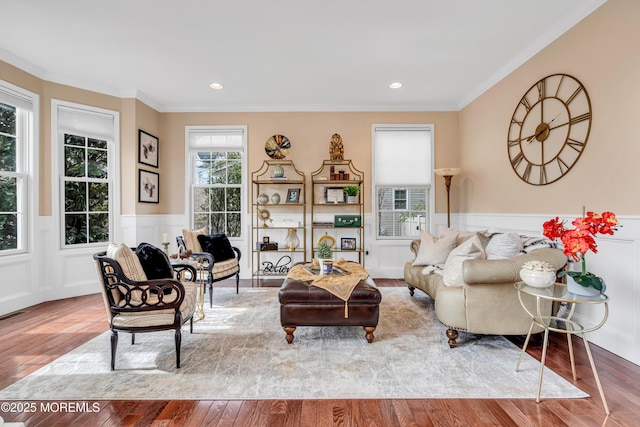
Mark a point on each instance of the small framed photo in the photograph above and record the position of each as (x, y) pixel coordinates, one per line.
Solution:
(265, 239)
(293, 195)
(348, 243)
(147, 149)
(149, 186)
(334, 195)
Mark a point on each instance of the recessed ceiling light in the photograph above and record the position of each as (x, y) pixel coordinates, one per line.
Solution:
(395, 85)
(216, 86)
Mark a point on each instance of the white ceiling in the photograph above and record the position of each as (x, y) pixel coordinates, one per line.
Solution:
(283, 55)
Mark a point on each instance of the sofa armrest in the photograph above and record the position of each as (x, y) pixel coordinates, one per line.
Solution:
(508, 270)
(415, 246)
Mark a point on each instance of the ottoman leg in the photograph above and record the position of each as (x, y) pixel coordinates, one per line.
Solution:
(369, 333)
(289, 330)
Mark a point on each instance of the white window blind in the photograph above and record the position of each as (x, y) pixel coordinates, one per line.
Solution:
(89, 123)
(402, 156)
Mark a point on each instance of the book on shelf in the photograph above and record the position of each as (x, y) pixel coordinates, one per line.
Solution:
(322, 224)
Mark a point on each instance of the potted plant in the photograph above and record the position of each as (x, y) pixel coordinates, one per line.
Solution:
(325, 257)
(352, 192)
(577, 242)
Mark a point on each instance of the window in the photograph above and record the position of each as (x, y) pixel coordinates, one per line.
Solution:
(87, 171)
(402, 181)
(86, 190)
(216, 166)
(17, 154)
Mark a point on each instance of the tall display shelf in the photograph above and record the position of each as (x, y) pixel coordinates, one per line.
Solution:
(278, 199)
(333, 216)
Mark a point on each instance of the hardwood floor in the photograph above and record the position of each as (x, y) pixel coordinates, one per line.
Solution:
(40, 334)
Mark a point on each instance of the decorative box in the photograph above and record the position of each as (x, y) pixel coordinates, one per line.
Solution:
(271, 246)
(347, 221)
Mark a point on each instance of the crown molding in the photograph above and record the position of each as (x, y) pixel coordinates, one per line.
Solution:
(544, 40)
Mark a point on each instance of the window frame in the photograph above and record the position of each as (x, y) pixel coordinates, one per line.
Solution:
(190, 168)
(111, 136)
(27, 106)
(376, 186)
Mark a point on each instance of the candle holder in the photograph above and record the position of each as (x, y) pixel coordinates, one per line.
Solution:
(166, 247)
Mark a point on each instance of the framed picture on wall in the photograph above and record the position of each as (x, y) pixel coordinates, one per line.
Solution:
(147, 149)
(149, 186)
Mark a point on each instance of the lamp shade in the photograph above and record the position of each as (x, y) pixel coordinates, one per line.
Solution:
(447, 171)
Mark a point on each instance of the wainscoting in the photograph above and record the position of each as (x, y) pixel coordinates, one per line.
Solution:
(616, 262)
(48, 273)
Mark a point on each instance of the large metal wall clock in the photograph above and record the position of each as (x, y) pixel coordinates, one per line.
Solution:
(549, 129)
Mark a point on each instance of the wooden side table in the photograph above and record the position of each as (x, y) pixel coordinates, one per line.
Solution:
(558, 293)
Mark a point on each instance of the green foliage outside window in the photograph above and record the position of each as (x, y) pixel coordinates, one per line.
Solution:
(8, 185)
(218, 192)
(86, 190)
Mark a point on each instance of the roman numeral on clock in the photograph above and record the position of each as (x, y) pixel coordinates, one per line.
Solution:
(580, 118)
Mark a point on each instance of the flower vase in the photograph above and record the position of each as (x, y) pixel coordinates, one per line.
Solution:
(578, 289)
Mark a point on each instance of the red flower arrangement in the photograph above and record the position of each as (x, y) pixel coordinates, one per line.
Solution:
(581, 239)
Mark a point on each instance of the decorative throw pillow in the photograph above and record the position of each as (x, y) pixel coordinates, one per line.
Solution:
(463, 235)
(471, 249)
(433, 250)
(504, 245)
(154, 261)
(130, 265)
(128, 261)
(191, 238)
(217, 245)
(531, 243)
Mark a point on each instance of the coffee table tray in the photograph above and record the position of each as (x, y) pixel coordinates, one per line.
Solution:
(336, 272)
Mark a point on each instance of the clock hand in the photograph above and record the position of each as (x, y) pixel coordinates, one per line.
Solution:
(527, 138)
(536, 135)
(554, 119)
(558, 126)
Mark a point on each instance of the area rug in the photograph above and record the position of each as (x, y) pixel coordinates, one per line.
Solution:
(239, 351)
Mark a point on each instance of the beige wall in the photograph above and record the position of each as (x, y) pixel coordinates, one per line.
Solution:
(147, 119)
(603, 52)
(310, 134)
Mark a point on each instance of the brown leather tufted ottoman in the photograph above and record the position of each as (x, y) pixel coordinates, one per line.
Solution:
(302, 304)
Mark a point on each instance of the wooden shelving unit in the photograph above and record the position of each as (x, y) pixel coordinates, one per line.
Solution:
(329, 201)
(273, 221)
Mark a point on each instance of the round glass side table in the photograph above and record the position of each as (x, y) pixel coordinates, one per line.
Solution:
(558, 293)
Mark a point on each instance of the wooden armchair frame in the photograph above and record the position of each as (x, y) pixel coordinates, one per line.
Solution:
(125, 297)
(207, 261)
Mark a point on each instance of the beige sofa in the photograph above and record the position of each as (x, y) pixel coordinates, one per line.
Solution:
(487, 302)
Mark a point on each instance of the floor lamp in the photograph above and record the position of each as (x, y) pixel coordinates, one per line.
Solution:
(447, 174)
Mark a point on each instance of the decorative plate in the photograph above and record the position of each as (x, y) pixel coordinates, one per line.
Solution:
(331, 241)
(277, 147)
